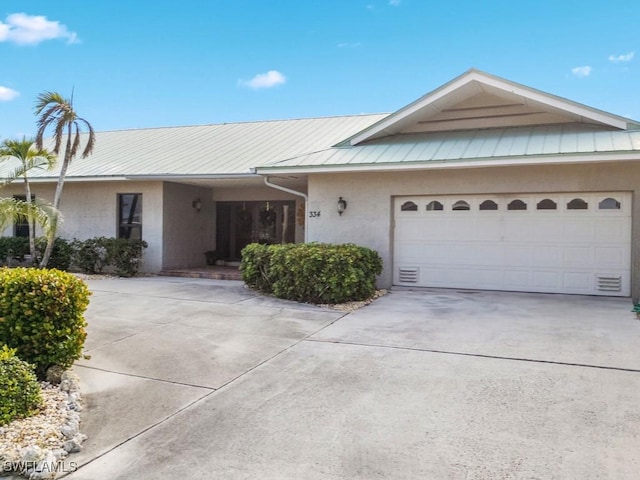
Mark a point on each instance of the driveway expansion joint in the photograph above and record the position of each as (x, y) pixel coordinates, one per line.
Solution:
(477, 355)
(144, 377)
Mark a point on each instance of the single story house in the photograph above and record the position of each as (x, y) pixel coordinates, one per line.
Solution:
(482, 183)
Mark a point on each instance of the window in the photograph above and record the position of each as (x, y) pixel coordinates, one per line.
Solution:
(517, 205)
(577, 204)
(21, 224)
(130, 216)
(488, 205)
(609, 204)
(409, 207)
(434, 205)
(547, 204)
(460, 205)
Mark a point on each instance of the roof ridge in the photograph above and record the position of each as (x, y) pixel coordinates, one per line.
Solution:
(245, 122)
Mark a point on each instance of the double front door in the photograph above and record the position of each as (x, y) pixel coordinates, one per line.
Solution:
(241, 223)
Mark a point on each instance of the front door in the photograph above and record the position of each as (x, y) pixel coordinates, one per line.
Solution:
(241, 223)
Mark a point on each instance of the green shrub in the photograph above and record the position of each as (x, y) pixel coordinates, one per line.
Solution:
(13, 247)
(90, 256)
(125, 255)
(255, 266)
(41, 316)
(120, 255)
(20, 393)
(60, 254)
(312, 272)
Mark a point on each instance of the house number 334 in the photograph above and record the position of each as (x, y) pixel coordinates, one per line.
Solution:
(314, 213)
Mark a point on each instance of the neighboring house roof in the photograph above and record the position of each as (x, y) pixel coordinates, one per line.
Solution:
(225, 149)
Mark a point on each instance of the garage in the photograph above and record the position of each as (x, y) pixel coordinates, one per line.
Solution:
(576, 243)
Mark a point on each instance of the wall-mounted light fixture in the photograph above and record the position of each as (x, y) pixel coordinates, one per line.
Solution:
(342, 205)
(197, 205)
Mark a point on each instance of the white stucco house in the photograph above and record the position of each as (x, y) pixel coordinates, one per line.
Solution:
(482, 183)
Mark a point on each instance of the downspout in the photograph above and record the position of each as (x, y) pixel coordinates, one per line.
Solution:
(293, 192)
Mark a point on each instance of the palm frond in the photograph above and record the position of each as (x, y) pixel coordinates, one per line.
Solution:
(46, 98)
(40, 212)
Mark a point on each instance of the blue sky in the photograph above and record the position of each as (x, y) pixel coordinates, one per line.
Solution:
(138, 64)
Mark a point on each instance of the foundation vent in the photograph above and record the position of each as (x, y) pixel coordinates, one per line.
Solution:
(408, 275)
(609, 283)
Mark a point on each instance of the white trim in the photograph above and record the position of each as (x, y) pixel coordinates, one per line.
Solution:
(483, 78)
(452, 164)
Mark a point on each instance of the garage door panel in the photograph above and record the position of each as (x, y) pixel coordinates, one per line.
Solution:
(578, 257)
(546, 229)
(609, 230)
(579, 231)
(488, 229)
(546, 255)
(610, 258)
(546, 281)
(577, 247)
(517, 229)
(576, 282)
(519, 279)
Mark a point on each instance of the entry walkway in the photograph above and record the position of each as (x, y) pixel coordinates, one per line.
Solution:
(213, 272)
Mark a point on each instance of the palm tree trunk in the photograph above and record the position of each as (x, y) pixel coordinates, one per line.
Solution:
(32, 233)
(51, 237)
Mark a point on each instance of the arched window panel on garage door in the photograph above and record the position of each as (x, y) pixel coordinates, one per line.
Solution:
(488, 205)
(460, 205)
(409, 207)
(577, 204)
(517, 204)
(546, 204)
(609, 203)
(434, 206)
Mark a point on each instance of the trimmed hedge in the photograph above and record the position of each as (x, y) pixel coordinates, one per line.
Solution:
(41, 316)
(312, 272)
(20, 393)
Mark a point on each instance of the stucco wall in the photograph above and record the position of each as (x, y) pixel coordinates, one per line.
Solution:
(368, 218)
(90, 209)
(187, 233)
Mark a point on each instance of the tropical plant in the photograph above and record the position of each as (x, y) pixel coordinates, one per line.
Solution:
(37, 211)
(57, 113)
(29, 157)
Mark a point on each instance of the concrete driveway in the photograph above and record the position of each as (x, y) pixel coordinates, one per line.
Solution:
(200, 379)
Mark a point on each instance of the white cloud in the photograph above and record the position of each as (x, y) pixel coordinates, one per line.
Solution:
(265, 80)
(622, 58)
(349, 45)
(583, 71)
(394, 3)
(23, 29)
(7, 94)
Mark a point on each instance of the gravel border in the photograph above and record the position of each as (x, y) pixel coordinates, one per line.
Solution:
(36, 447)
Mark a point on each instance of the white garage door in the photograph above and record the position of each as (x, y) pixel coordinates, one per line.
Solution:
(556, 243)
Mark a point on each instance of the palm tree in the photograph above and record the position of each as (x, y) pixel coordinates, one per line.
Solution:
(37, 211)
(56, 112)
(30, 158)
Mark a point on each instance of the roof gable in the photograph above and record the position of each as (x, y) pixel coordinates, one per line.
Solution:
(477, 100)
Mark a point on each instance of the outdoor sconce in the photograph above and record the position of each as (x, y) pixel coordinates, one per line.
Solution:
(197, 205)
(342, 206)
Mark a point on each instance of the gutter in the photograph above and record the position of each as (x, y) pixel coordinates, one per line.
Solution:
(293, 192)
